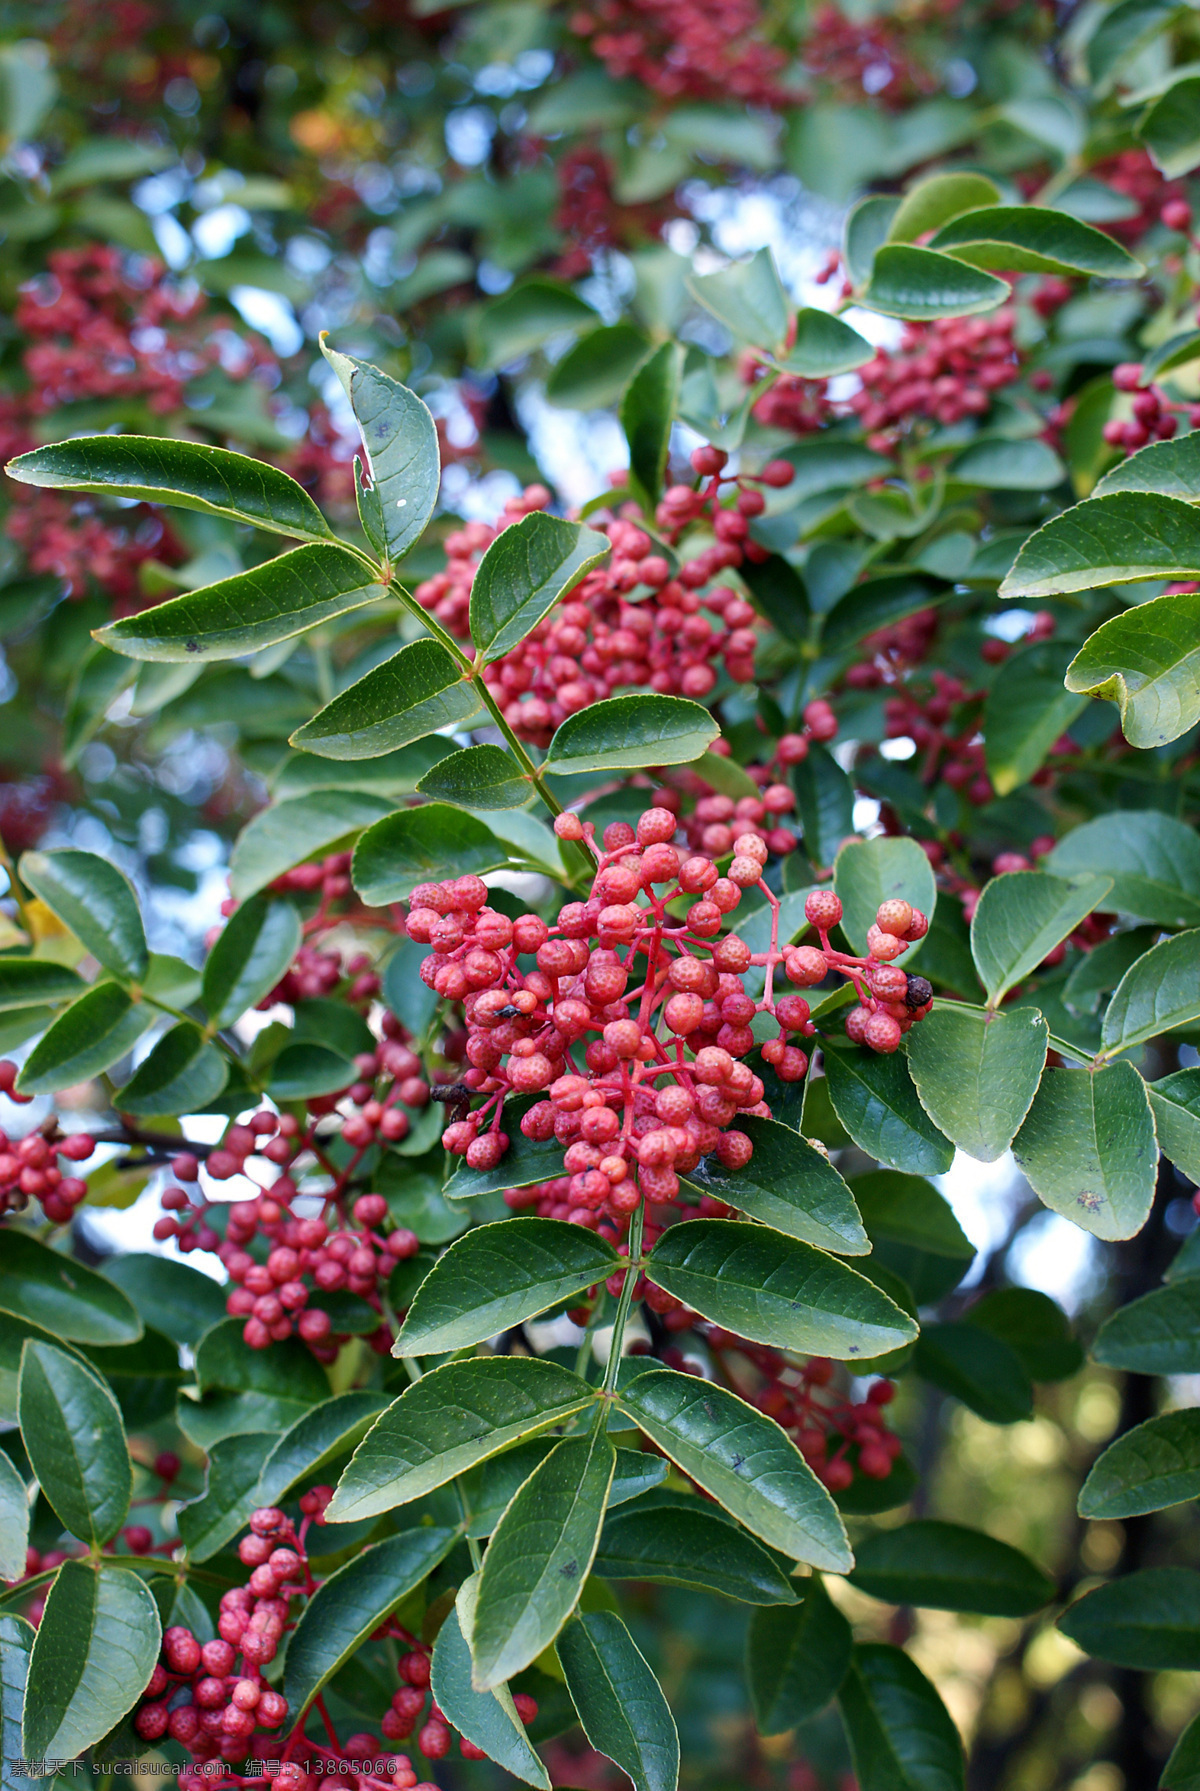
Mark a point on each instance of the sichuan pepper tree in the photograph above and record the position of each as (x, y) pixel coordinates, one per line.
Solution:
(683, 1091)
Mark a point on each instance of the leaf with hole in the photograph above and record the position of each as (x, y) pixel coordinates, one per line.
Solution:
(1146, 661)
(352, 1603)
(452, 1418)
(422, 845)
(188, 475)
(95, 901)
(1149, 1468)
(776, 1290)
(620, 1703)
(788, 1184)
(419, 691)
(539, 1556)
(253, 951)
(796, 1658)
(948, 1567)
(876, 1101)
(528, 567)
(96, 1647)
(273, 602)
(498, 1276)
(1088, 1148)
(401, 443)
(920, 285)
(976, 1074)
(902, 1737)
(628, 733)
(1021, 916)
(478, 777)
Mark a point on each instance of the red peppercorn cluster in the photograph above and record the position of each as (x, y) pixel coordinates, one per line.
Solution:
(591, 218)
(408, 1706)
(224, 1703)
(707, 503)
(717, 820)
(1155, 416)
(704, 49)
(890, 999)
(29, 1166)
(861, 55)
(837, 1436)
(273, 1289)
(1132, 173)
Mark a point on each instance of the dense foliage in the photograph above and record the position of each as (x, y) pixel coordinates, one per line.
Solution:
(635, 889)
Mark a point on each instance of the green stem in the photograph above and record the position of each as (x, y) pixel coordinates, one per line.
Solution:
(14, 889)
(472, 1542)
(626, 1299)
(323, 665)
(583, 1353)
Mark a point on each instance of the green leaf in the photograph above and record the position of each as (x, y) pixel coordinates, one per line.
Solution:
(1153, 860)
(749, 298)
(788, 1184)
(875, 1100)
(14, 1521)
(16, 1644)
(1169, 129)
(1032, 239)
(937, 199)
(418, 691)
(1171, 468)
(287, 1369)
(184, 1073)
(876, 604)
(1123, 31)
(981, 1370)
(28, 982)
(866, 231)
(900, 1733)
(1088, 1148)
(1158, 993)
(686, 1544)
(522, 575)
(976, 1074)
(491, 1486)
(595, 371)
(1002, 465)
(1026, 711)
(351, 1603)
(1158, 1334)
(1146, 662)
(742, 1457)
(777, 590)
(525, 317)
(179, 1301)
(913, 1232)
(947, 1567)
(539, 1556)
(497, 1276)
(478, 777)
(620, 1702)
(1153, 1466)
(1149, 1620)
(1113, 540)
(648, 411)
(1175, 1102)
(98, 680)
(273, 602)
(1182, 1770)
(58, 1294)
(95, 901)
(825, 802)
(188, 475)
(777, 1290)
(824, 346)
(86, 1039)
(422, 845)
(489, 1719)
(1022, 916)
(401, 445)
(300, 827)
(208, 1523)
(1034, 1327)
(95, 1649)
(868, 872)
(255, 948)
(75, 1440)
(630, 733)
(526, 1160)
(796, 1658)
(447, 1421)
(920, 284)
(321, 1436)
